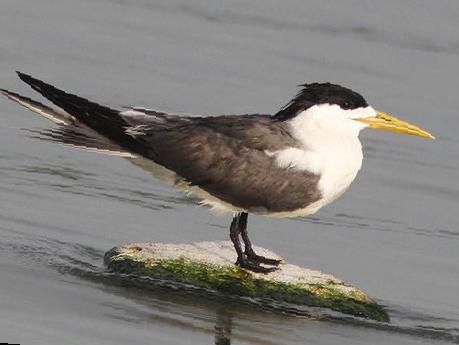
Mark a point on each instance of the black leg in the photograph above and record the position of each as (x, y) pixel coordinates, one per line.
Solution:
(235, 230)
(238, 223)
(251, 255)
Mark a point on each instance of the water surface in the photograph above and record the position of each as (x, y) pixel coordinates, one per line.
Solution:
(394, 233)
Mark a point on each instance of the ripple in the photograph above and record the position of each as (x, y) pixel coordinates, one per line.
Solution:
(379, 224)
(162, 296)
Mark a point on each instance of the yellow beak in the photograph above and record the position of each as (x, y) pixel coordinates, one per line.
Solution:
(393, 124)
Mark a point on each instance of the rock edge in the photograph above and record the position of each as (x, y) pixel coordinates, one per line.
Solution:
(210, 265)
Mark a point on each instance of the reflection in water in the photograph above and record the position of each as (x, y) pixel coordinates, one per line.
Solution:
(223, 328)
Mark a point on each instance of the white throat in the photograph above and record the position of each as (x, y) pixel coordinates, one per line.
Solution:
(328, 146)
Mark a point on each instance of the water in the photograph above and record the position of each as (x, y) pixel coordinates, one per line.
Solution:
(394, 233)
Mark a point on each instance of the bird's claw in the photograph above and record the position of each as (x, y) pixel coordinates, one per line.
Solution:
(263, 260)
(254, 266)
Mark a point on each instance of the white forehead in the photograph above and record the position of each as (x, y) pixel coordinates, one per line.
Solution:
(326, 108)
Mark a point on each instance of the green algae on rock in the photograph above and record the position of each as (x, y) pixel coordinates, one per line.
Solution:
(210, 265)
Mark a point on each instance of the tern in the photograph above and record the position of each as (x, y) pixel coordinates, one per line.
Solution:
(288, 164)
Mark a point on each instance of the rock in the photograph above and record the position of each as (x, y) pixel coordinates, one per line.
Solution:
(210, 265)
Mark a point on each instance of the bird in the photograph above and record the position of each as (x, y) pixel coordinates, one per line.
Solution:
(287, 164)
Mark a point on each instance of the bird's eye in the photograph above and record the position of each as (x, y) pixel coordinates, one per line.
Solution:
(346, 105)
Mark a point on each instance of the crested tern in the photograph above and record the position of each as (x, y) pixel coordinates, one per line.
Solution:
(288, 164)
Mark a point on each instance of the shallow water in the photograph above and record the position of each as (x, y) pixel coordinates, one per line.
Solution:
(394, 233)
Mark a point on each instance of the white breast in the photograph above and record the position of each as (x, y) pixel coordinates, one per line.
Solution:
(340, 164)
(328, 146)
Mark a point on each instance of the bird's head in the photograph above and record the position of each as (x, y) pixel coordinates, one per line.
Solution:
(337, 109)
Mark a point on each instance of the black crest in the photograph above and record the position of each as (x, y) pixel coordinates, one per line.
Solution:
(320, 93)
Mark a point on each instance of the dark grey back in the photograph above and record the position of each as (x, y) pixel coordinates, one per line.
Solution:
(226, 157)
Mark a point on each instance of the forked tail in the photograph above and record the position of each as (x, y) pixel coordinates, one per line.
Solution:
(83, 123)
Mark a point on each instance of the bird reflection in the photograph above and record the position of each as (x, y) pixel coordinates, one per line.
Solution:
(223, 325)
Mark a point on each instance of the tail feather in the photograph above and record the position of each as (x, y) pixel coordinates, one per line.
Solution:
(56, 115)
(83, 124)
(103, 120)
(84, 138)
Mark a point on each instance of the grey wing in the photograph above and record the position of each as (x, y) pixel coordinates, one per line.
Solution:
(230, 165)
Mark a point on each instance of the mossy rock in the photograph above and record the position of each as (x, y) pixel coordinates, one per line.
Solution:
(210, 265)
